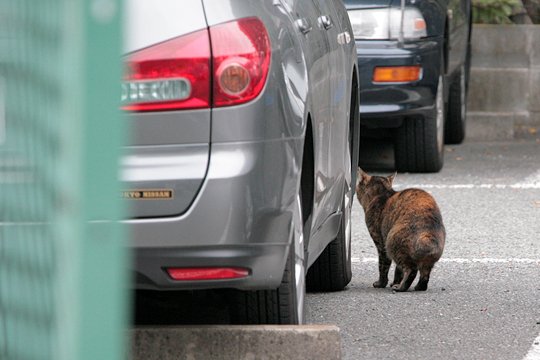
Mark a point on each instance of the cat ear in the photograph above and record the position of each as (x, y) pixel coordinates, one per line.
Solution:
(391, 178)
(362, 175)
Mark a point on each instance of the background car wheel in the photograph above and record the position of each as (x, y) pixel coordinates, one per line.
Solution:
(284, 305)
(468, 64)
(419, 145)
(457, 109)
(332, 270)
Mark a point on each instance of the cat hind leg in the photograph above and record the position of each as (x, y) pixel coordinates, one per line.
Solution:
(384, 266)
(422, 285)
(398, 275)
(408, 277)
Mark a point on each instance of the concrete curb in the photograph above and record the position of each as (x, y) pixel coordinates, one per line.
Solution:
(265, 342)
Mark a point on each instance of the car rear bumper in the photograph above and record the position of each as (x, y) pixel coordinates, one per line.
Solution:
(384, 105)
(263, 261)
(241, 217)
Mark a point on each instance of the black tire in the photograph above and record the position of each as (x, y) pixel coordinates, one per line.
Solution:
(456, 124)
(284, 305)
(468, 65)
(332, 270)
(419, 142)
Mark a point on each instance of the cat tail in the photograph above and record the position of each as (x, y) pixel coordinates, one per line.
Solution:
(428, 247)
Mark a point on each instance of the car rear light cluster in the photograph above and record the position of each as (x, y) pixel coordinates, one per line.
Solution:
(208, 273)
(241, 57)
(223, 65)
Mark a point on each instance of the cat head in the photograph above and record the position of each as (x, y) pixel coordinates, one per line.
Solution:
(370, 187)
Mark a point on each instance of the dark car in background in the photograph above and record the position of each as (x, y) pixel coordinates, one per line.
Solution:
(241, 170)
(414, 59)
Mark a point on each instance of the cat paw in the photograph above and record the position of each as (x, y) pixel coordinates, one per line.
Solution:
(378, 284)
(397, 288)
(420, 287)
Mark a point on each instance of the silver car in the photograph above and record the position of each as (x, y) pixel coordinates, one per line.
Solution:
(245, 131)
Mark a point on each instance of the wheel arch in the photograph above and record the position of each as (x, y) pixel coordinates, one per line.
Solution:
(354, 124)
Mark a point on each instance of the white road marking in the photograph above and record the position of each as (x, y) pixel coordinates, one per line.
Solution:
(534, 352)
(530, 182)
(463, 260)
(533, 184)
(533, 179)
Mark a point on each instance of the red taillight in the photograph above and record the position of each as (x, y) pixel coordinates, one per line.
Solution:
(172, 75)
(241, 58)
(185, 274)
(176, 74)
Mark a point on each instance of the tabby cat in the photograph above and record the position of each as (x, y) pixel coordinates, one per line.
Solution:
(406, 227)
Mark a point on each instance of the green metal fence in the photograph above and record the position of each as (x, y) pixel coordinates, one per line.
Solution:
(62, 260)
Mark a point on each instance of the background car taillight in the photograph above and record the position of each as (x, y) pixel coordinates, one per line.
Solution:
(176, 74)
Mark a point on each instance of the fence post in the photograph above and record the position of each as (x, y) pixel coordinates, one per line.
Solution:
(63, 278)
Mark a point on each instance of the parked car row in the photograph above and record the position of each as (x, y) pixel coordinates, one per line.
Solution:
(246, 126)
(414, 61)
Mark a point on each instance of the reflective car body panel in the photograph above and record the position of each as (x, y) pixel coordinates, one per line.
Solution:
(168, 150)
(151, 22)
(234, 172)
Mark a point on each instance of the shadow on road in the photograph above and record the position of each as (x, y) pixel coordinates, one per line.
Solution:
(376, 155)
(203, 307)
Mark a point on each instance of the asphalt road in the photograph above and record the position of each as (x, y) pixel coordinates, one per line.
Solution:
(483, 300)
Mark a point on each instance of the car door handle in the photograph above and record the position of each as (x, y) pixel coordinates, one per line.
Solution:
(326, 21)
(278, 3)
(303, 25)
(344, 38)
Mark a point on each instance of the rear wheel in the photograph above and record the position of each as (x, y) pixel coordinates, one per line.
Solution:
(457, 109)
(332, 270)
(419, 145)
(284, 305)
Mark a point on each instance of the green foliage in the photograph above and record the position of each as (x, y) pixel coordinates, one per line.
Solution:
(493, 11)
